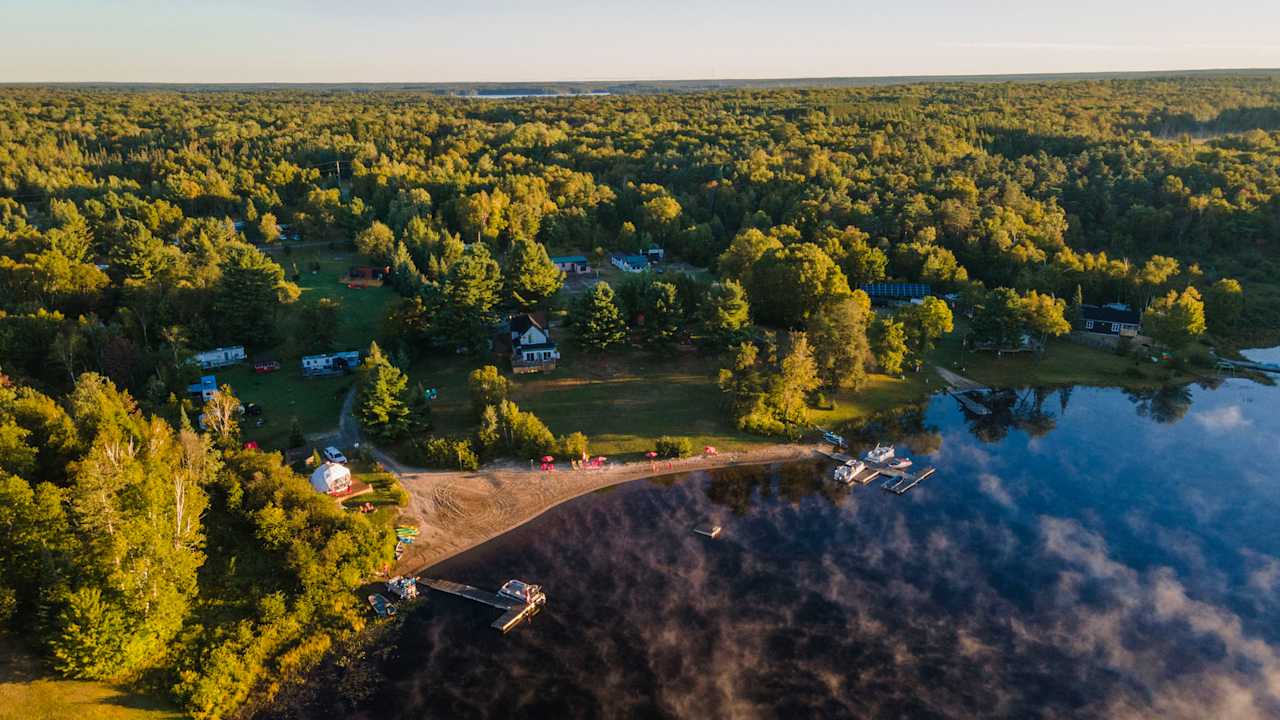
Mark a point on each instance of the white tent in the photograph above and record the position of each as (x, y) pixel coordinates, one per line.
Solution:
(331, 478)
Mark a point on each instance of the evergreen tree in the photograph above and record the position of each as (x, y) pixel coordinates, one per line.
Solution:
(725, 314)
(889, 344)
(839, 336)
(380, 405)
(662, 315)
(797, 377)
(598, 323)
(467, 297)
(251, 287)
(531, 276)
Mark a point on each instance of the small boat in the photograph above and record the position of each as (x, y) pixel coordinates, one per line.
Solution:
(711, 531)
(880, 454)
(405, 588)
(382, 606)
(524, 592)
(900, 463)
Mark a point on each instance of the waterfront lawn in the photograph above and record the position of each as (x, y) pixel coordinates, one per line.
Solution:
(624, 402)
(1062, 363)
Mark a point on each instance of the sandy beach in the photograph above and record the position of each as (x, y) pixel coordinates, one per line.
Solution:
(456, 511)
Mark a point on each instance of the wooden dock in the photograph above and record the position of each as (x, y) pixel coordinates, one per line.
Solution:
(515, 613)
(899, 482)
(471, 593)
(969, 403)
(711, 531)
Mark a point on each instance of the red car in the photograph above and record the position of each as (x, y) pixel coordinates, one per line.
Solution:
(266, 366)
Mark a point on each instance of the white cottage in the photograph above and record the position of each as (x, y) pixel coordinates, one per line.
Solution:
(532, 348)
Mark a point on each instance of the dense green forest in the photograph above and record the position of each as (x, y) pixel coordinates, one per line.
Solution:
(140, 225)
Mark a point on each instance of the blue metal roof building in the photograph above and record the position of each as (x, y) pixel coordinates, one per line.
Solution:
(896, 291)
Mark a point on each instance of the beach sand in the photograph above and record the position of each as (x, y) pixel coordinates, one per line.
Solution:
(456, 511)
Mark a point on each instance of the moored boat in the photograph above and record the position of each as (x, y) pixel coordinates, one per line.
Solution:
(900, 463)
(880, 454)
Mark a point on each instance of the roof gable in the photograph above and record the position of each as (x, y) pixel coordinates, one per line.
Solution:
(1102, 313)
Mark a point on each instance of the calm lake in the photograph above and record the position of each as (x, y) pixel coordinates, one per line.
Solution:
(1085, 553)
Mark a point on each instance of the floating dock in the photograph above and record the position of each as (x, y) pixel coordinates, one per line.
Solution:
(899, 482)
(515, 611)
(711, 531)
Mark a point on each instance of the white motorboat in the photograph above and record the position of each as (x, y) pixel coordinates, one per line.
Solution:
(900, 463)
(880, 454)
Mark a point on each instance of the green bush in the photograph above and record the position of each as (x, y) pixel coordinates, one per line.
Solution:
(674, 447)
(447, 454)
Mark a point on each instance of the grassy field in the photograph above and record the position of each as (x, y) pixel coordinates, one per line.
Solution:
(285, 394)
(624, 402)
(27, 691)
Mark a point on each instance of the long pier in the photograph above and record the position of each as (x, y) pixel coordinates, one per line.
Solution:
(1249, 365)
(959, 388)
(515, 611)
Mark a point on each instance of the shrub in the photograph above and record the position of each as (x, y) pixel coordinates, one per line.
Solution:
(447, 454)
(573, 446)
(674, 447)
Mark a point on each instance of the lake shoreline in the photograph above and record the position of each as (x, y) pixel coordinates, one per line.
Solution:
(458, 511)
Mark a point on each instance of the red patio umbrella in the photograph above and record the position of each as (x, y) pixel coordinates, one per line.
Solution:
(547, 459)
(651, 454)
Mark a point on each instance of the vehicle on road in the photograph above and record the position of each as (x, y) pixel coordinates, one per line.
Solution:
(334, 455)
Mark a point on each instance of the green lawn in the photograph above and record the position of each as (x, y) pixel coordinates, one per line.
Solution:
(285, 394)
(624, 402)
(1063, 363)
(30, 692)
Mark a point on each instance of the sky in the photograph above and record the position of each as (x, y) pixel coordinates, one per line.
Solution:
(477, 40)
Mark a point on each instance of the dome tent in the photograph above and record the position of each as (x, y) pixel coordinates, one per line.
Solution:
(331, 478)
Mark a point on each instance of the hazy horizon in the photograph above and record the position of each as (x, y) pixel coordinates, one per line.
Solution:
(290, 41)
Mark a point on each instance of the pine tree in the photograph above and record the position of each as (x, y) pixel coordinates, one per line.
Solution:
(889, 344)
(726, 314)
(797, 377)
(380, 405)
(662, 315)
(531, 276)
(598, 321)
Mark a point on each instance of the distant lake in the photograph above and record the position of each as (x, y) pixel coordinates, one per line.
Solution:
(514, 96)
(1082, 553)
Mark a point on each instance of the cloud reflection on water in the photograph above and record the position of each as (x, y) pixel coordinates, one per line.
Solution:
(1061, 575)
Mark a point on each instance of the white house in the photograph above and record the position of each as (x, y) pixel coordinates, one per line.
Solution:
(630, 263)
(331, 479)
(655, 254)
(330, 364)
(220, 357)
(532, 348)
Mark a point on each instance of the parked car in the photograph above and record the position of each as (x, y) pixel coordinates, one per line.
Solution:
(334, 455)
(266, 366)
(252, 409)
